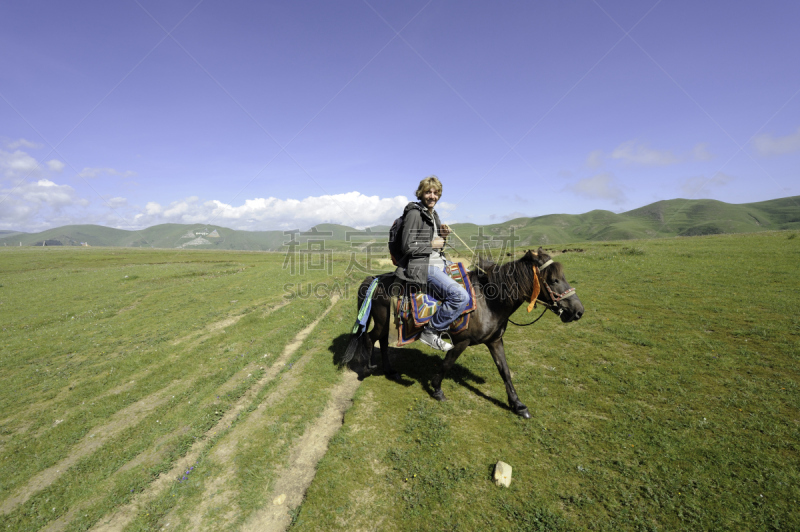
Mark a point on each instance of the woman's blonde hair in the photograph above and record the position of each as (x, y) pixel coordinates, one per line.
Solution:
(430, 182)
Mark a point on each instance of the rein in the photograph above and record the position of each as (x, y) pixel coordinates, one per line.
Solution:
(466, 246)
(534, 321)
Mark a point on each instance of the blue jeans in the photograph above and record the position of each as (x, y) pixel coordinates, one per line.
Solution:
(453, 297)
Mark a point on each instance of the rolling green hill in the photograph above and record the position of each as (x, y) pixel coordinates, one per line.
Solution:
(159, 236)
(669, 218)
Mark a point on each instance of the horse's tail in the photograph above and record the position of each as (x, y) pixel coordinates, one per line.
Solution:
(352, 348)
(359, 344)
(359, 339)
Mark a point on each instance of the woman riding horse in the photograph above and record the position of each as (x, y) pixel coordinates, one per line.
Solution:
(499, 289)
(423, 263)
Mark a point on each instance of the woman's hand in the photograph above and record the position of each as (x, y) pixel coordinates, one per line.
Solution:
(437, 243)
(445, 230)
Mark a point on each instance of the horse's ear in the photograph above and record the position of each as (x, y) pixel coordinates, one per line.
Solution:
(540, 256)
(531, 256)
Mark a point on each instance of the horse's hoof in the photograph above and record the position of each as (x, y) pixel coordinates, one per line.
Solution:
(393, 376)
(523, 412)
(439, 395)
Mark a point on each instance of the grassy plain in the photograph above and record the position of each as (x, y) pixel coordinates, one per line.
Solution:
(116, 361)
(672, 405)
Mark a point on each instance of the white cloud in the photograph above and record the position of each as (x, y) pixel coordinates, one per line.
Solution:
(637, 153)
(44, 204)
(46, 193)
(55, 165)
(694, 187)
(17, 164)
(181, 209)
(38, 205)
(767, 145)
(23, 143)
(30, 199)
(91, 173)
(700, 152)
(116, 203)
(352, 208)
(601, 186)
(595, 159)
(443, 208)
(634, 152)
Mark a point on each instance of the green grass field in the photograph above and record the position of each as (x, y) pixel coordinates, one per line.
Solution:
(672, 405)
(144, 350)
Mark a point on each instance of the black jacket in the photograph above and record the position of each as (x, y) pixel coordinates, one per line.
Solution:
(416, 244)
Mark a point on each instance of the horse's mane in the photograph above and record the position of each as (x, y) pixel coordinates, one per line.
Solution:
(518, 273)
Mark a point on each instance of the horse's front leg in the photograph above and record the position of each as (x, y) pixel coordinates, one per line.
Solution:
(498, 352)
(449, 360)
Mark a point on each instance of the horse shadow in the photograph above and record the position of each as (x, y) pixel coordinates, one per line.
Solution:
(413, 366)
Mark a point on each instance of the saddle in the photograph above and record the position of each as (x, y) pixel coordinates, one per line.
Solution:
(411, 312)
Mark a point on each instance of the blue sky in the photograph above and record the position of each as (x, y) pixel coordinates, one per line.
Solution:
(278, 115)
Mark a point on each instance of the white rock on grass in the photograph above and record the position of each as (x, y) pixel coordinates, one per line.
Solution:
(502, 474)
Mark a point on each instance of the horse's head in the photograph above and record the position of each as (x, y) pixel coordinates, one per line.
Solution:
(554, 288)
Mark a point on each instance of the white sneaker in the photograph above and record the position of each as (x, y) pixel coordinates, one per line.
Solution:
(434, 339)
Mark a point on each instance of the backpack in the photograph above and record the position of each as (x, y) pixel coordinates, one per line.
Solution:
(396, 240)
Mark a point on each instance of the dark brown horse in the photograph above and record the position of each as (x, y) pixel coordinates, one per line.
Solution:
(499, 292)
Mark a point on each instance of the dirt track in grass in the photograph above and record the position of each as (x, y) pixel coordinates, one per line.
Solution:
(91, 442)
(293, 481)
(125, 514)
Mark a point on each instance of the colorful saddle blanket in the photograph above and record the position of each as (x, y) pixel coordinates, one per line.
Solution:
(410, 314)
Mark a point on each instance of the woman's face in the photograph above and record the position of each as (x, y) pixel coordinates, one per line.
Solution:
(429, 198)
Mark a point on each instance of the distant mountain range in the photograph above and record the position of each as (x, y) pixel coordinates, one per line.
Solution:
(662, 219)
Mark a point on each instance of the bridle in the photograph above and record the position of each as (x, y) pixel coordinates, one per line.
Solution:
(554, 297)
